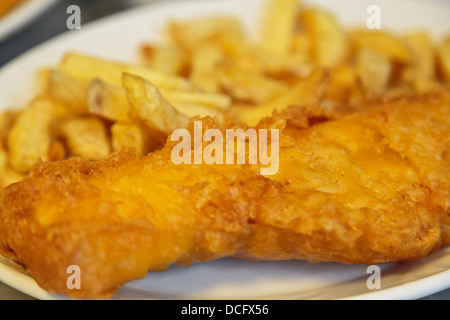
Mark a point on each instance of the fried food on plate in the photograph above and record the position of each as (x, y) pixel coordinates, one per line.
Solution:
(371, 187)
(6, 6)
(208, 66)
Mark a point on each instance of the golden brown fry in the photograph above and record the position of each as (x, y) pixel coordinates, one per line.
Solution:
(329, 41)
(374, 70)
(29, 138)
(244, 85)
(306, 93)
(194, 33)
(57, 151)
(86, 137)
(363, 177)
(86, 68)
(420, 72)
(277, 31)
(444, 59)
(7, 5)
(193, 110)
(131, 135)
(214, 101)
(168, 58)
(68, 91)
(381, 42)
(368, 188)
(7, 174)
(203, 67)
(112, 103)
(150, 108)
(108, 101)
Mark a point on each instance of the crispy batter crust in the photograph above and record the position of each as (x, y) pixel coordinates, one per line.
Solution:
(369, 187)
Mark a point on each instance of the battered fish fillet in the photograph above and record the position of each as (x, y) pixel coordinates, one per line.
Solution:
(370, 187)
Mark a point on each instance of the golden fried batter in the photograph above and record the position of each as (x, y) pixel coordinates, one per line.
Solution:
(370, 187)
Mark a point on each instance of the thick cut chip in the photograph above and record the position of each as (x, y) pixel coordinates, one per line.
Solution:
(203, 67)
(125, 135)
(305, 92)
(7, 5)
(329, 40)
(167, 58)
(7, 119)
(214, 101)
(7, 174)
(420, 73)
(68, 91)
(279, 26)
(107, 101)
(86, 68)
(444, 59)
(388, 44)
(374, 70)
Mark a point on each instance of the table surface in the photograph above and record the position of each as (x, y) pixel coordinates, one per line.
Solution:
(54, 23)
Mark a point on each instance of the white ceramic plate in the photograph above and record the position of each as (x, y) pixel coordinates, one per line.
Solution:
(22, 15)
(118, 37)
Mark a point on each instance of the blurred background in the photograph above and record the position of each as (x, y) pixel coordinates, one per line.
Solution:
(52, 23)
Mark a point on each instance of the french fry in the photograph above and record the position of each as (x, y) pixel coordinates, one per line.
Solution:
(193, 110)
(89, 107)
(381, 42)
(194, 33)
(86, 137)
(107, 101)
(7, 119)
(165, 58)
(374, 70)
(148, 106)
(305, 92)
(68, 91)
(342, 84)
(444, 59)
(302, 43)
(57, 151)
(29, 138)
(203, 67)
(214, 101)
(329, 41)
(279, 26)
(244, 85)
(420, 72)
(112, 103)
(295, 64)
(86, 68)
(131, 135)
(6, 6)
